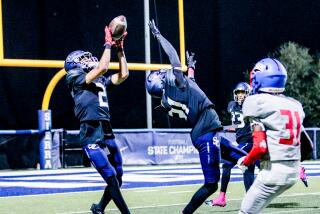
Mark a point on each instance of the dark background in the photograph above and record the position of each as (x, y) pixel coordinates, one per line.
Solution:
(228, 37)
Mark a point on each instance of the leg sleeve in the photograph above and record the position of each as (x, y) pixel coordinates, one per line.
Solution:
(225, 178)
(115, 158)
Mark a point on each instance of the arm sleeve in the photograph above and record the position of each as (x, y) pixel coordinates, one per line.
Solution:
(170, 51)
(259, 148)
(173, 58)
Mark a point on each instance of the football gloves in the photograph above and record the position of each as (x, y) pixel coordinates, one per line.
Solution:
(154, 30)
(191, 62)
(108, 38)
(119, 43)
(240, 164)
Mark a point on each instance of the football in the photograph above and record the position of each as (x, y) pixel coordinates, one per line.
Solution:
(118, 26)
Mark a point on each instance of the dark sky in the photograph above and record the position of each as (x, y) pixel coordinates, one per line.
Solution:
(228, 37)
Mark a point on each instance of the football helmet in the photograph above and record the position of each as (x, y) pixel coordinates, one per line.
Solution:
(80, 59)
(241, 86)
(155, 82)
(268, 75)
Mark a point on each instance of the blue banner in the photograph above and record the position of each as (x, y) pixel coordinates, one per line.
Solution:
(45, 146)
(151, 146)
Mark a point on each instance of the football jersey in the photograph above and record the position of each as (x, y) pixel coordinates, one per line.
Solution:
(243, 130)
(91, 101)
(190, 103)
(282, 117)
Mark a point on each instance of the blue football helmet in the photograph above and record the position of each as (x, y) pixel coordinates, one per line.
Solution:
(268, 75)
(241, 86)
(80, 59)
(155, 82)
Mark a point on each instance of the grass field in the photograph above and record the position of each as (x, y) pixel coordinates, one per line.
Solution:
(163, 200)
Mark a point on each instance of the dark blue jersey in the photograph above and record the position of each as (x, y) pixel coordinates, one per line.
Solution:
(243, 130)
(190, 103)
(91, 101)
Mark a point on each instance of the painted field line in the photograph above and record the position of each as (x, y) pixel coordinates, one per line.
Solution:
(235, 199)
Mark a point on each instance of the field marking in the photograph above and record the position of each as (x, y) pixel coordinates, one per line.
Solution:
(180, 192)
(150, 190)
(293, 211)
(235, 199)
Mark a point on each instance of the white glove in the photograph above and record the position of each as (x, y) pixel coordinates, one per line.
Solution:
(240, 164)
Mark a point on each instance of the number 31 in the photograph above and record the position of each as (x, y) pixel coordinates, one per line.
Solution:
(290, 126)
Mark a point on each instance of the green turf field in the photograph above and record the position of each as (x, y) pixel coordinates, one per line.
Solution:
(164, 200)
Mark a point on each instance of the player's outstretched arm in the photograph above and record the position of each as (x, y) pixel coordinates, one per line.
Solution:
(104, 60)
(172, 55)
(166, 45)
(123, 73)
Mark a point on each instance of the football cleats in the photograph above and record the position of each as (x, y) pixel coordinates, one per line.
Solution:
(155, 82)
(80, 59)
(241, 87)
(268, 75)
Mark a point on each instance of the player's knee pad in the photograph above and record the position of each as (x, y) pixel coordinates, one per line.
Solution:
(100, 160)
(211, 187)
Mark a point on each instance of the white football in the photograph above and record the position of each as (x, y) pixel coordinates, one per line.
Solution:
(118, 27)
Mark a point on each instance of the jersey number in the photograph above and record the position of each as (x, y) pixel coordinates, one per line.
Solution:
(237, 119)
(290, 126)
(102, 95)
(177, 108)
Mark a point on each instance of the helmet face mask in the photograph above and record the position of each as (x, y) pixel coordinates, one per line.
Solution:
(155, 83)
(268, 76)
(80, 59)
(241, 91)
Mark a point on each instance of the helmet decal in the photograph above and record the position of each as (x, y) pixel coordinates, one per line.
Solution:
(269, 76)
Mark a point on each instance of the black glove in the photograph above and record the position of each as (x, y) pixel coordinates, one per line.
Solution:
(190, 60)
(154, 30)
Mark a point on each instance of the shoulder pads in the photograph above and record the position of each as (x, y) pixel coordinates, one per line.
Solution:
(73, 74)
(231, 105)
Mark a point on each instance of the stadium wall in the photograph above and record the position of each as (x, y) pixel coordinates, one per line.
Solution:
(19, 149)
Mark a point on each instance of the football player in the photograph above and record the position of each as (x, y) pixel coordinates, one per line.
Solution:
(88, 89)
(244, 140)
(181, 97)
(276, 122)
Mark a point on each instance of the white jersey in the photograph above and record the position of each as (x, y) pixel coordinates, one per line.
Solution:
(282, 118)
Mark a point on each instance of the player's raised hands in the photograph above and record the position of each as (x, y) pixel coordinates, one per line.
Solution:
(154, 30)
(108, 37)
(191, 62)
(119, 43)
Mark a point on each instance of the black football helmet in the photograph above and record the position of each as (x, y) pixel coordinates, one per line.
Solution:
(244, 87)
(155, 82)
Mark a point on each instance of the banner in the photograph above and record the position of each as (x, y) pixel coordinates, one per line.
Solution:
(45, 146)
(145, 146)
